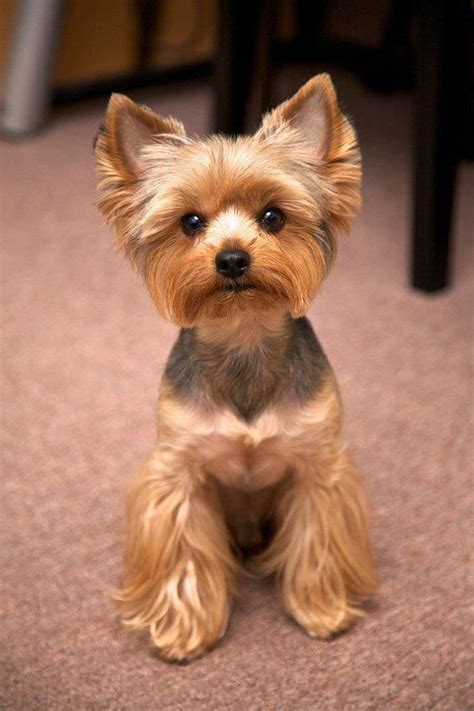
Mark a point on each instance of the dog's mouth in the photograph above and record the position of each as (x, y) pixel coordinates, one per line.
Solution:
(235, 287)
(226, 296)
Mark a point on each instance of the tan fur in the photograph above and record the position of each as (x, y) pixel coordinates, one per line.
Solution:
(320, 551)
(179, 570)
(230, 181)
(216, 476)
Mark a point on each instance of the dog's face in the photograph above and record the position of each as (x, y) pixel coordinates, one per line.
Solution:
(222, 225)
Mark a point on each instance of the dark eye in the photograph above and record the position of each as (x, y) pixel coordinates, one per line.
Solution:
(272, 219)
(192, 224)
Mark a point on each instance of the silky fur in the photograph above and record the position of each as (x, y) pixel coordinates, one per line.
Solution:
(239, 444)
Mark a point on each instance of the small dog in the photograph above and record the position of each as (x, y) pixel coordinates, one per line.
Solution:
(233, 237)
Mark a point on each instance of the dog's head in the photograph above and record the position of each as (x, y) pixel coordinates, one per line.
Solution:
(220, 225)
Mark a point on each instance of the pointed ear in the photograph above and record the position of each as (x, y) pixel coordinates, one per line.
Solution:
(324, 135)
(312, 112)
(120, 146)
(127, 130)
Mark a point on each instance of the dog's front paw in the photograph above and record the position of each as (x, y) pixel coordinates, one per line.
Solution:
(319, 614)
(183, 634)
(186, 613)
(322, 623)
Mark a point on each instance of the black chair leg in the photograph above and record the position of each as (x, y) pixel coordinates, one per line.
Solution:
(438, 109)
(245, 32)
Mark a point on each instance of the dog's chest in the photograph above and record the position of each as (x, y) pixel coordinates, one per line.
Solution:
(247, 456)
(240, 414)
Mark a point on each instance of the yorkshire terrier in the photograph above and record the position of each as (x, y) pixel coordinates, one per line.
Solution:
(233, 237)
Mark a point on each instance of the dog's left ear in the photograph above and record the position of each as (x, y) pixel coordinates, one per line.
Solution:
(324, 137)
(121, 147)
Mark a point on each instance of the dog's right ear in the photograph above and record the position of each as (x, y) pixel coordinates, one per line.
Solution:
(127, 130)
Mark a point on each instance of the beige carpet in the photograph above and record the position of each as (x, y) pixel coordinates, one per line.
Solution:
(83, 354)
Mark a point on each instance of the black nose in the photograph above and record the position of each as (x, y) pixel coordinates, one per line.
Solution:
(232, 263)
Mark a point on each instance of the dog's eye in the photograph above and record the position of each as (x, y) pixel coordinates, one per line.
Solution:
(192, 224)
(272, 219)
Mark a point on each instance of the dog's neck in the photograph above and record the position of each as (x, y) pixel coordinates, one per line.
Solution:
(241, 359)
(247, 362)
(245, 332)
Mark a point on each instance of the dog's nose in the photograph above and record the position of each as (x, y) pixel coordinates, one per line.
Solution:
(232, 263)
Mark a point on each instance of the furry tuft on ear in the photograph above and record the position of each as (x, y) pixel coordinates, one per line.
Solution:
(127, 130)
(119, 148)
(309, 112)
(328, 138)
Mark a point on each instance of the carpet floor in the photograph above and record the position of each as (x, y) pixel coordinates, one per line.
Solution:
(82, 355)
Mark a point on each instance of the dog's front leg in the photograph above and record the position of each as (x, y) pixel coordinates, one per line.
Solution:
(321, 550)
(178, 565)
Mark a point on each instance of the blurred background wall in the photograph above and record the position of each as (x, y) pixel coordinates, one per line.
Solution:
(101, 37)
